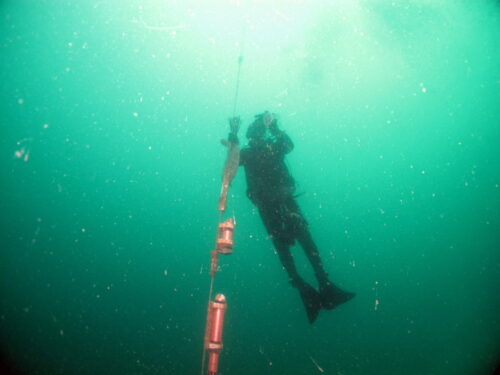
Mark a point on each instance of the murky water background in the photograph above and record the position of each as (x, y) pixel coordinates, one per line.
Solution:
(111, 115)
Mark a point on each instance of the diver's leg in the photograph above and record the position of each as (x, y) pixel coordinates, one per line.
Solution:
(286, 259)
(331, 295)
(272, 217)
(312, 253)
(310, 296)
(283, 238)
(298, 228)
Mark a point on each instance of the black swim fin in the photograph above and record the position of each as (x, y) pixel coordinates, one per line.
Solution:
(331, 296)
(311, 300)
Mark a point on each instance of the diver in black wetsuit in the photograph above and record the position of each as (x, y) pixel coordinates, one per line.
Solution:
(271, 188)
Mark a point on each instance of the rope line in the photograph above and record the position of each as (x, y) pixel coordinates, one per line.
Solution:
(240, 62)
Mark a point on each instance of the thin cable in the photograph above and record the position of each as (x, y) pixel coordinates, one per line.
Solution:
(240, 62)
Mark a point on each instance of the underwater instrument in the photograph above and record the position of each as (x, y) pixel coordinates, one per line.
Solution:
(223, 245)
(213, 332)
(229, 171)
(233, 149)
(215, 313)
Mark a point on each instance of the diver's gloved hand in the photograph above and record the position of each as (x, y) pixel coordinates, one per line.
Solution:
(270, 122)
(234, 124)
(268, 118)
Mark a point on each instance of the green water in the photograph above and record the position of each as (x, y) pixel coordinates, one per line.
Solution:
(111, 115)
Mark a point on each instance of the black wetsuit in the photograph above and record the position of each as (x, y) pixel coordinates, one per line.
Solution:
(271, 188)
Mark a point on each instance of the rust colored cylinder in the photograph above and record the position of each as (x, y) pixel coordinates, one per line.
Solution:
(225, 237)
(213, 363)
(213, 342)
(217, 325)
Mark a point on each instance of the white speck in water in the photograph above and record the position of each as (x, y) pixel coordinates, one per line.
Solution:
(135, 114)
(19, 153)
(20, 101)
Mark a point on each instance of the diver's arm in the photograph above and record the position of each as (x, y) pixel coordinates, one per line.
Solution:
(282, 142)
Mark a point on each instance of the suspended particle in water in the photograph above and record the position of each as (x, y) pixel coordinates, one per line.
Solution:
(19, 153)
(320, 369)
(23, 153)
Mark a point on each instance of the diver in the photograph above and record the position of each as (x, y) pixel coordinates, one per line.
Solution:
(271, 189)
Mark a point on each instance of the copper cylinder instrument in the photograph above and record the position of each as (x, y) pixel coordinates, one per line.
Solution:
(225, 242)
(213, 332)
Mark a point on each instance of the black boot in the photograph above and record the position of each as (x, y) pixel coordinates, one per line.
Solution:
(310, 298)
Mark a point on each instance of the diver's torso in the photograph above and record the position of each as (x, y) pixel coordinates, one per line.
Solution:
(267, 175)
